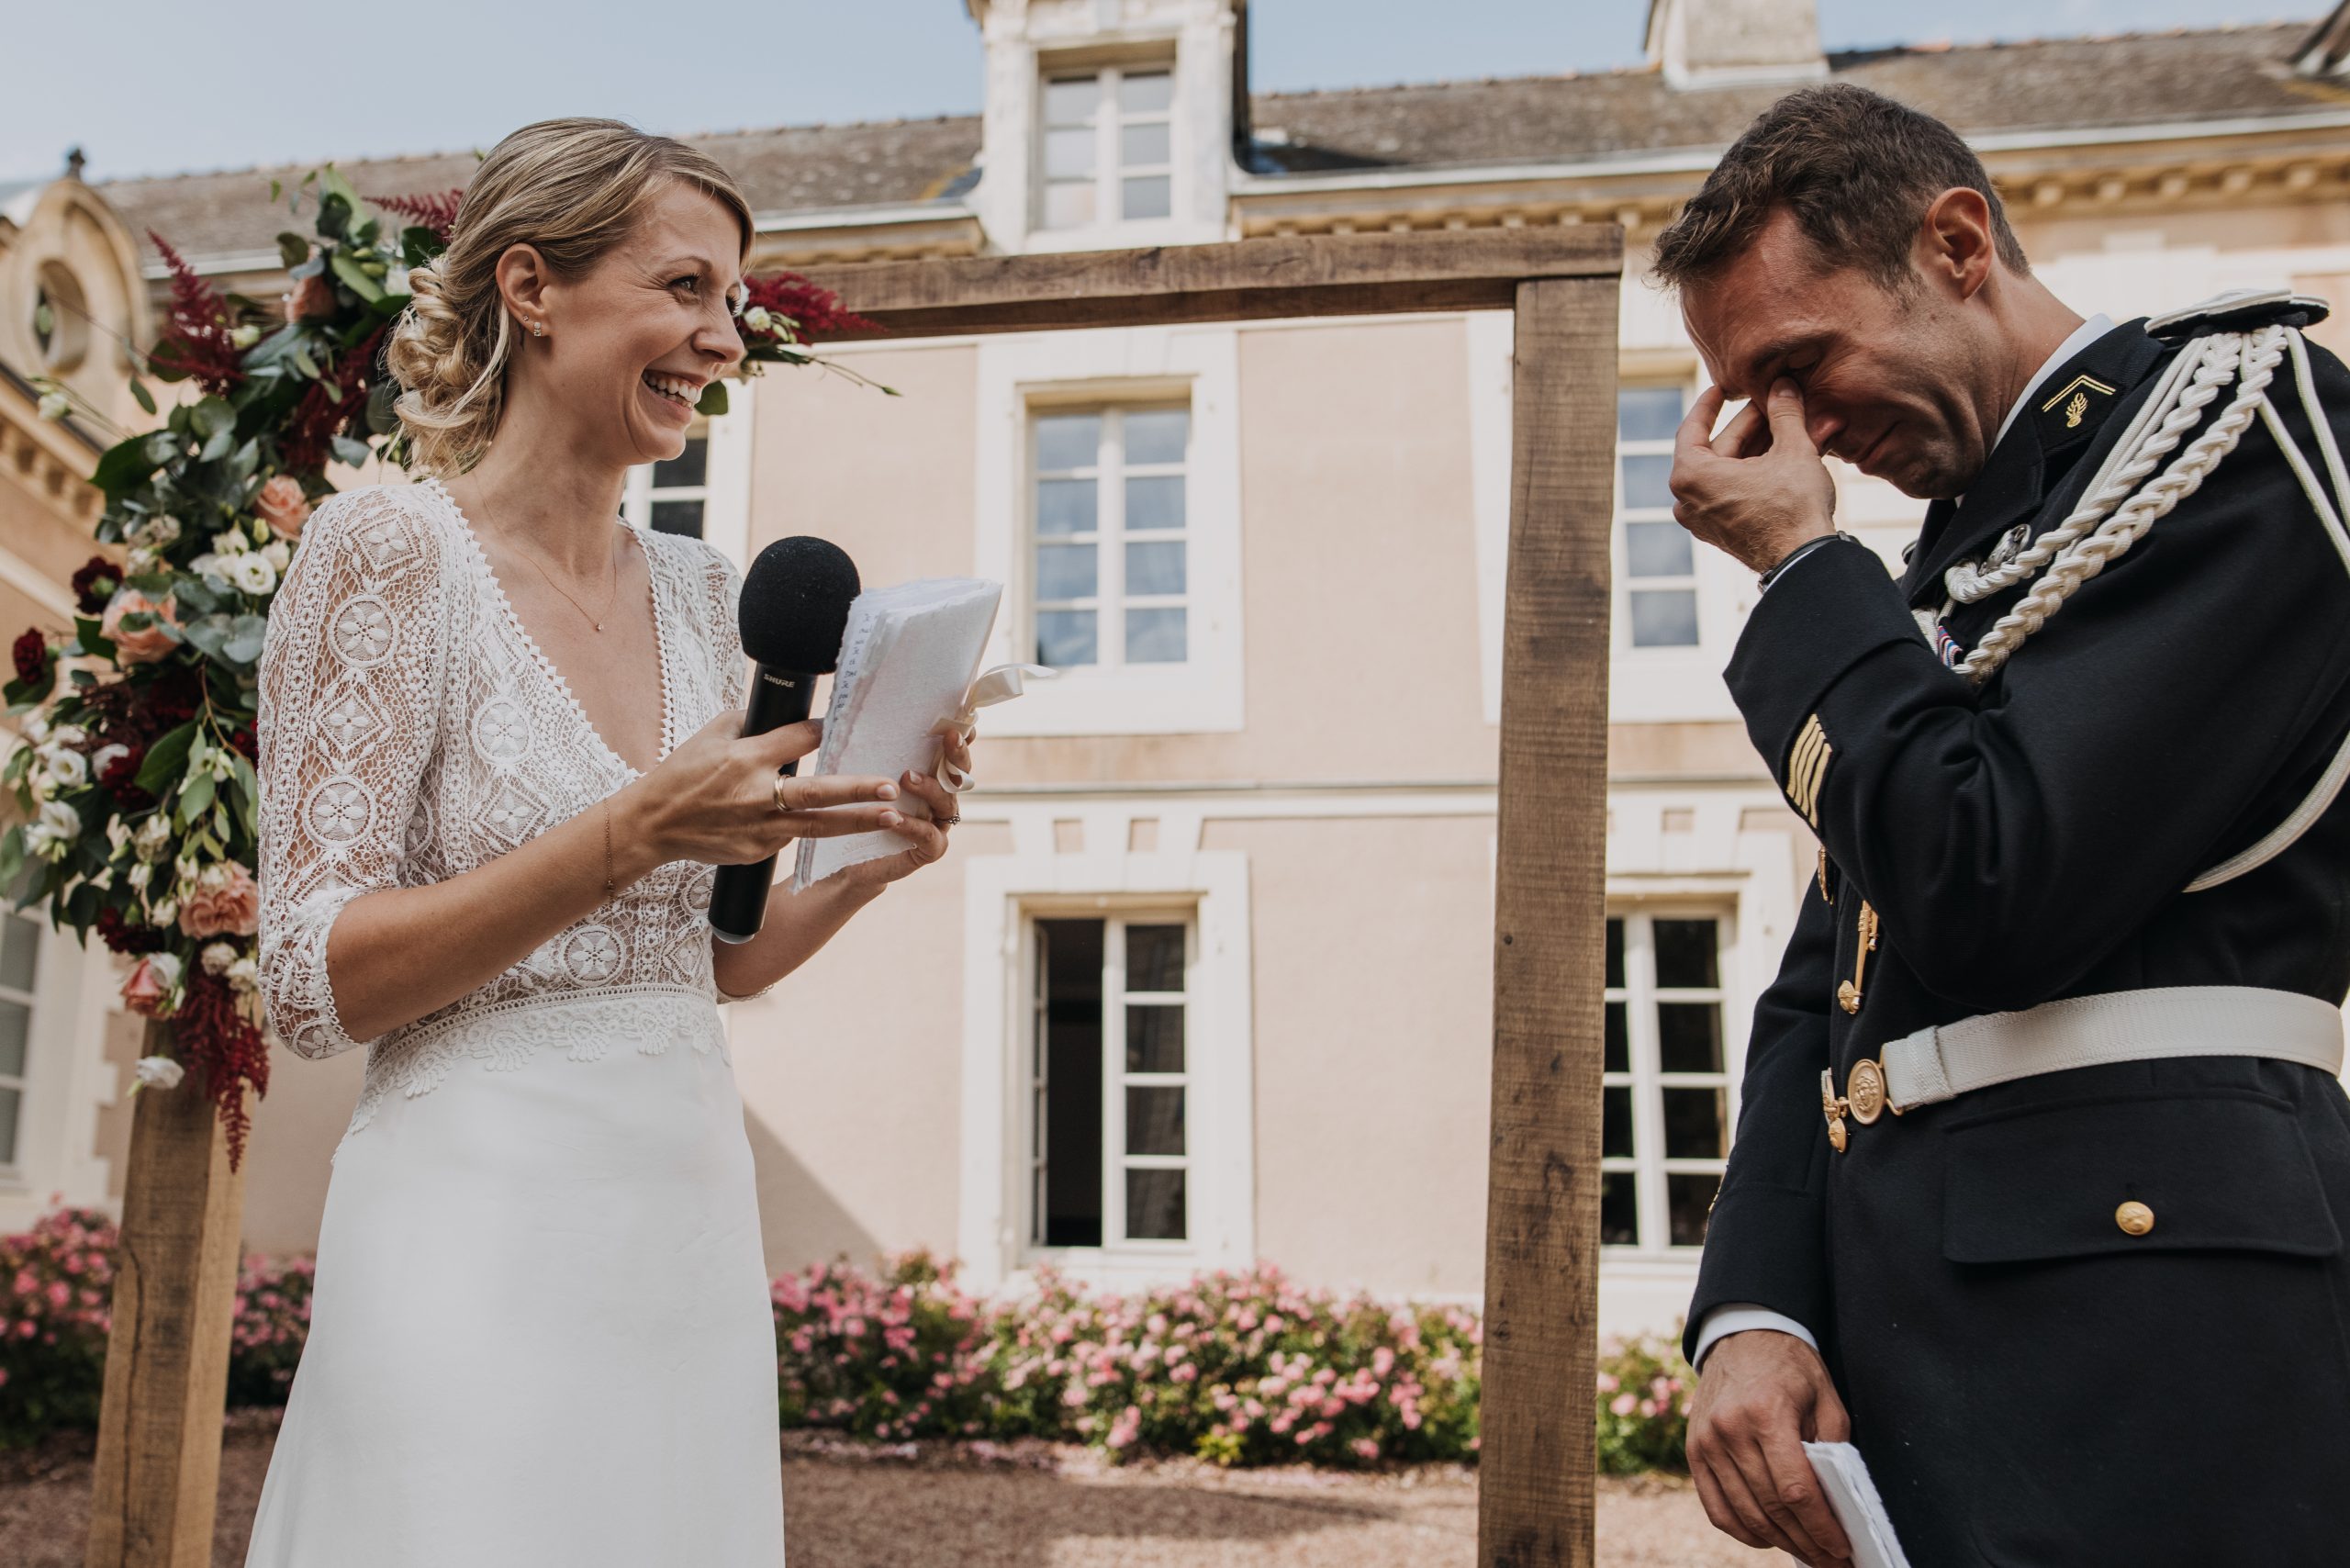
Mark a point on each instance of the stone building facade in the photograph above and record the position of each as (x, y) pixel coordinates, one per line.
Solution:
(1208, 978)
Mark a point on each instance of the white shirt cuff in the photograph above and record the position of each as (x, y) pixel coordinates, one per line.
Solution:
(1737, 1317)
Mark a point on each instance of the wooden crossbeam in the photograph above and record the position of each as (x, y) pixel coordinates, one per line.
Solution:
(1317, 274)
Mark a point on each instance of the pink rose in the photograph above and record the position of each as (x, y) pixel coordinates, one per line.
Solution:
(143, 992)
(283, 506)
(314, 295)
(227, 901)
(147, 645)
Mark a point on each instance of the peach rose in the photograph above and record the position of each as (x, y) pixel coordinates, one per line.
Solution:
(151, 642)
(314, 295)
(151, 981)
(224, 901)
(283, 506)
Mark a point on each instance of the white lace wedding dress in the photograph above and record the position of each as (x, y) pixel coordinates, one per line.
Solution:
(542, 1332)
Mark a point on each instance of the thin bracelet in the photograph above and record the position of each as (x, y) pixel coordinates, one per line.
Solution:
(608, 849)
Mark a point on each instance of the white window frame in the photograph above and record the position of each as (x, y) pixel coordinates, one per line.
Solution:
(1110, 170)
(1647, 1164)
(11, 1168)
(67, 1080)
(1626, 515)
(1115, 1081)
(1003, 896)
(1017, 375)
(1109, 535)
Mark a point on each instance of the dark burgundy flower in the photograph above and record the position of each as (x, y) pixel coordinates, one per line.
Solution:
(438, 213)
(31, 653)
(123, 938)
(814, 310)
(94, 583)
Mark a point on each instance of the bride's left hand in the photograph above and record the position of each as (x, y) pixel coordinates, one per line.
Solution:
(925, 813)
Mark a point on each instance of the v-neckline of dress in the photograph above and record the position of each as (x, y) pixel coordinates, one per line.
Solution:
(547, 665)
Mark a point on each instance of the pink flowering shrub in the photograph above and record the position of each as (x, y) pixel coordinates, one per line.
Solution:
(56, 1286)
(272, 1319)
(892, 1357)
(1643, 1406)
(1241, 1369)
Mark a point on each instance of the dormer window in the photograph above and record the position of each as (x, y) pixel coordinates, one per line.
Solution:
(1109, 147)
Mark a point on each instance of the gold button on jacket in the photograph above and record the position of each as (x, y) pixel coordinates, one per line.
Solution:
(2134, 1217)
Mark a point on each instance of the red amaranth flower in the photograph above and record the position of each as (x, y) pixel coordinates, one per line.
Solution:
(815, 311)
(30, 652)
(213, 1038)
(438, 213)
(195, 339)
(94, 583)
(303, 444)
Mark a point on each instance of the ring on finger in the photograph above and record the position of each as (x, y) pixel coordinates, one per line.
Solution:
(950, 822)
(780, 780)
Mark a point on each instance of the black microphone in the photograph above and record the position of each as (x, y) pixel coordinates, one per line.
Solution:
(794, 610)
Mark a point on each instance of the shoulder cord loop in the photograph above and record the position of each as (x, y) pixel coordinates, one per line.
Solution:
(2115, 513)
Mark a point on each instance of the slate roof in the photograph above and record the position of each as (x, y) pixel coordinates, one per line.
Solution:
(2241, 72)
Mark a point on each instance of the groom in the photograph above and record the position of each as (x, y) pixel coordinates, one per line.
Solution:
(2086, 1300)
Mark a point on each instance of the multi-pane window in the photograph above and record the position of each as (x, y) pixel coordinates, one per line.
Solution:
(1109, 147)
(1660, 560)
(20, 962)
(1109, 1160)
(668, 496)
(1665, 1124)
(1111, 555)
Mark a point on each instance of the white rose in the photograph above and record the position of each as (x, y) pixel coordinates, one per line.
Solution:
(277, 553)
(164, 916)
(758, 319)
(167, 968)
(140, 562)
(69, 735)
(229, 542)
(244, 337)
(217, 956)
(34, 726)
(252, 572)
(66, 769)
(53, 406)
(140, 874)
(158, 1072)
(154, 836)
(244, 975)
(205, 565)
(51, 833)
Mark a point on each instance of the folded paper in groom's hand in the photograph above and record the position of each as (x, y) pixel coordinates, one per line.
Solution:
(1844, 1477)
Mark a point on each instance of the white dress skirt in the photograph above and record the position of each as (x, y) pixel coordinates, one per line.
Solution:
(541, 1335)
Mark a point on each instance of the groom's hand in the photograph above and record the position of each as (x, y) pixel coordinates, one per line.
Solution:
(1758, 489)
(1762, 1397)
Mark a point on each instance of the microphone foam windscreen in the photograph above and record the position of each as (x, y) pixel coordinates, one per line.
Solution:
(795, 605)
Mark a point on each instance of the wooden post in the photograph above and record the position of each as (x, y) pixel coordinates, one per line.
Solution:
(167, 1357)
(1542, 1222)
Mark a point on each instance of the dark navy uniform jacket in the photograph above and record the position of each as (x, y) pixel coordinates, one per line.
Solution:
(2029, 1382)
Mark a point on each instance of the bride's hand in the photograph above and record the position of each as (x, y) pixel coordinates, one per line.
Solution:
(714, 799)
(927, 812)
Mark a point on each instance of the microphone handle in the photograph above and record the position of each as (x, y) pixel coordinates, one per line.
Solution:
(738, 899)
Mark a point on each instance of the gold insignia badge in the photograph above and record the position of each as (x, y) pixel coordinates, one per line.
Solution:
(1865, 1091)
(1807, 769)
(2073, 399)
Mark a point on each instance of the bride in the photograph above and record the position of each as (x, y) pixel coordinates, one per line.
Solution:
(499, 758)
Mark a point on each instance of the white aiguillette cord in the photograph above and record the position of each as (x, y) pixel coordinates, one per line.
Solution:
(991, 687)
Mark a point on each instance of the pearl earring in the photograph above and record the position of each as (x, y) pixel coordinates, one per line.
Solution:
(538, 328)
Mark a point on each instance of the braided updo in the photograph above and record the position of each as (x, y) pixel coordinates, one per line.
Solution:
(571, 189)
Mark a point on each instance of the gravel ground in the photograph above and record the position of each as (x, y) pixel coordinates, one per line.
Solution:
(1018, 1505)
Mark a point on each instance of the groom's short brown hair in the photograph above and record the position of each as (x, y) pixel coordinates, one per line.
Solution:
(1856, 169)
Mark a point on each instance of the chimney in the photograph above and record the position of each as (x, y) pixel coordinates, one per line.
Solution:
(1720, 43)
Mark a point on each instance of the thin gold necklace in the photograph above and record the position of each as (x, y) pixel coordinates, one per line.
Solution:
(611, 594)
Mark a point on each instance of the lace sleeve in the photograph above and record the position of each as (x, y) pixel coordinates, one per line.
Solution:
(351, 675)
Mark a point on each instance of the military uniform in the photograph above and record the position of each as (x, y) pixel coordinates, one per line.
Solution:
(2097, 1315)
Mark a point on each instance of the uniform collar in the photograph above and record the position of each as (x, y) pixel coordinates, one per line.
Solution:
(2061, 411)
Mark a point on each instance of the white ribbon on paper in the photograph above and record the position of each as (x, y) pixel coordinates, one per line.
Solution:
(1000, 684)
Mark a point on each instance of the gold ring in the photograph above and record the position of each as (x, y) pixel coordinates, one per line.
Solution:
(949, 821)
(780, 780)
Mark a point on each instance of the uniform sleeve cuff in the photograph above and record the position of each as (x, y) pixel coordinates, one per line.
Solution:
(1804, 635)
(1737, 1317)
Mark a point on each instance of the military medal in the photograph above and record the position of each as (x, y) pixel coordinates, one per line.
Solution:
(1833, 1109)
(1865, 1091)
(1848, 995)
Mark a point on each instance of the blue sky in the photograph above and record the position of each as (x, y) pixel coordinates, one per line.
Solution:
(230, 84)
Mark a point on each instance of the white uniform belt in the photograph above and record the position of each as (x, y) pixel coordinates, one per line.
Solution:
(1948, 1060)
